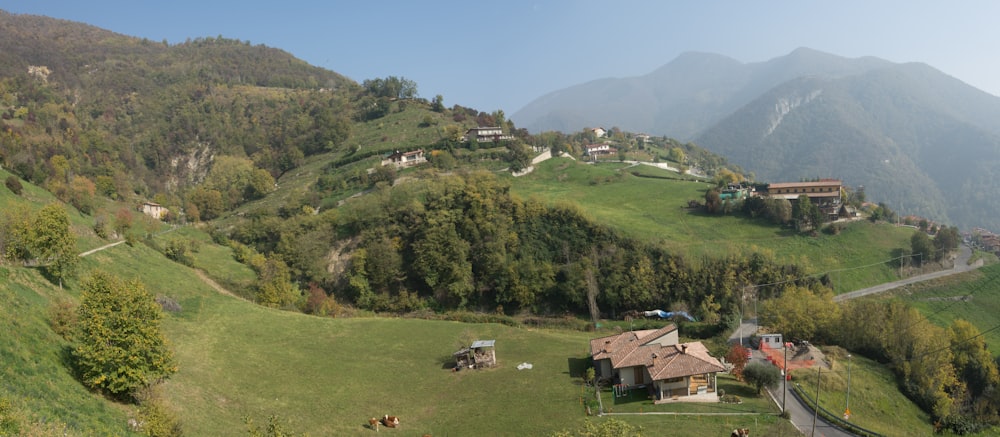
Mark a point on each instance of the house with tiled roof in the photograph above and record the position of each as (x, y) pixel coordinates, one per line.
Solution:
(655, 359)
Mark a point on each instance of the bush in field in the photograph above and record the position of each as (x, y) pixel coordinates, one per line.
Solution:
(14, 184)
(121, 348)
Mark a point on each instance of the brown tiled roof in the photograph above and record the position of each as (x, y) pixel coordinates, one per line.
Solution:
(823, 183)
(633, 348)
(604, 347)
(674, 362)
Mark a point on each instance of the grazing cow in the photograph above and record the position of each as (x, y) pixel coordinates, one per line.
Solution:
(744, 432)
(390, 421)
(373, 423)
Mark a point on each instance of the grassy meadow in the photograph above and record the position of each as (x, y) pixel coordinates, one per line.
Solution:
(327, 376)
(874, 396)
(655, 209)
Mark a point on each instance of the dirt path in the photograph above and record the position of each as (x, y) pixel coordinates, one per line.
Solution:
(222, 290)
(101, 248)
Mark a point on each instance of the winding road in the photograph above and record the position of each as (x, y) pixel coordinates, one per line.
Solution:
(801, 416)
(961, 265)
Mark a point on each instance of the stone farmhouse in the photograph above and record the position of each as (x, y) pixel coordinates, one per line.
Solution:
(154, 210)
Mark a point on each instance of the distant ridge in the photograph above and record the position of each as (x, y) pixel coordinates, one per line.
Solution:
(921, 141)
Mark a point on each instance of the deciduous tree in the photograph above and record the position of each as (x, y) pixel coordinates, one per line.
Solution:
(737, 356)
(52, 242)
(121, 348)
(922, 246)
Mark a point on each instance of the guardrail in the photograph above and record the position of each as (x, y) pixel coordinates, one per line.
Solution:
(829, 416)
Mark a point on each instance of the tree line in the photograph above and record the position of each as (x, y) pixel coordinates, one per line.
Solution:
(463, 241)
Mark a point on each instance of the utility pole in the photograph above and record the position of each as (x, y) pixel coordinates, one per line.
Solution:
(819, 370)
(784, 379)
(847, 410)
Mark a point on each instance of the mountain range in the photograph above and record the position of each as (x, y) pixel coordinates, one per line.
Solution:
(915, 138)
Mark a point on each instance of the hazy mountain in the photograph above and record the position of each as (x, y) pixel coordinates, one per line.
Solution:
(681, 98)
(916, 138)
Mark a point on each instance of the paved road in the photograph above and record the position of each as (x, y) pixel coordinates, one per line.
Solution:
(961, 265)
(802, 417)
(743, 333)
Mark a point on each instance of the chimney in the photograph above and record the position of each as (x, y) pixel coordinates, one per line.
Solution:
(684, 348)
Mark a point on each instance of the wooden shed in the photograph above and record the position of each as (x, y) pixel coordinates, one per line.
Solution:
(481, 353)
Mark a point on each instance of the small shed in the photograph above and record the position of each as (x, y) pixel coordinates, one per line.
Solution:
(773, 341)
(480, 354)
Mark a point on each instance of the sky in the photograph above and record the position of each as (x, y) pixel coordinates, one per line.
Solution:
(501, 55)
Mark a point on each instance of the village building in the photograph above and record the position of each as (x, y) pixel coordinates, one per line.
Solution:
(405, 159)
(824, 193)
(655, 360)
(599, 150)
(154, 210)
(486, 134)
(599, 132)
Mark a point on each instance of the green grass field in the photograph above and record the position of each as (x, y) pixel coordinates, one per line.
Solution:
(654, 209)
(327, 376)
(874, 396)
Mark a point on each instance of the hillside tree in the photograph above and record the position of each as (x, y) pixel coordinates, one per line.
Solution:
(922, 246)
(121, 348)
(52, 243)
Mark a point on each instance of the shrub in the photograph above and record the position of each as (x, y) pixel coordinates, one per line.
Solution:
(156, 418)
(731, 399)
(168, 304)
(14, 184)
(101, 227)
(62, 318)
(177, 250)
(8, 418)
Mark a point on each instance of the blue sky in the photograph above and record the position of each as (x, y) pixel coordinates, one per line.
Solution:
(493, 55)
